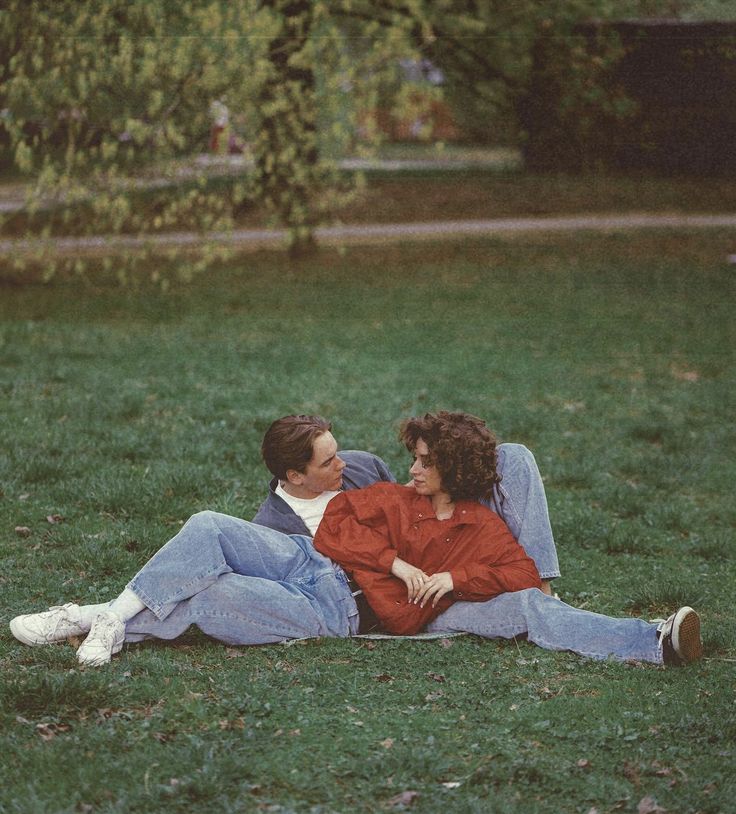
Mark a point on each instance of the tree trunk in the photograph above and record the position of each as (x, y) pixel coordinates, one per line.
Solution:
(286, 152)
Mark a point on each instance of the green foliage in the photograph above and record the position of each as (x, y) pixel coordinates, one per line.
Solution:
(94, 94)
(97, 97)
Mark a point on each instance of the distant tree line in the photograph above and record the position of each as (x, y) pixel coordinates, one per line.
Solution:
(94, 92)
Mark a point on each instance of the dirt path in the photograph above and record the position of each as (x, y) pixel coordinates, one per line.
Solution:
(378, 233)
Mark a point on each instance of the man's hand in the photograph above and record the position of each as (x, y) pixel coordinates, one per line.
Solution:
(413, 577)
(434, 588)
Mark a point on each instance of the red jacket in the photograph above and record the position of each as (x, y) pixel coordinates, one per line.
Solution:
(365, 530)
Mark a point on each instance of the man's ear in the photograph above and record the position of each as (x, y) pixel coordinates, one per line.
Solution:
(295, 477)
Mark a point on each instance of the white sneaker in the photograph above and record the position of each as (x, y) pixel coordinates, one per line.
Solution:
(106, 637)
(54, 625)
(680, 638)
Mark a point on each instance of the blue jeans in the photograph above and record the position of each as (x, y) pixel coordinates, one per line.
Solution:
(242, 584)
(246, 584)
(524, 507)
(553, 625)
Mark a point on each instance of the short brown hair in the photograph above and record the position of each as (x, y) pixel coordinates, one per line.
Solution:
(289, 441)
(461, 447)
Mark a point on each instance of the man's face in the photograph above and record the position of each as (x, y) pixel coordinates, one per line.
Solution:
(425, 475)
(322, 474)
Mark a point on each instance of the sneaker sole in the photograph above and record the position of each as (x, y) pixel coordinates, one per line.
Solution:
(686, 635)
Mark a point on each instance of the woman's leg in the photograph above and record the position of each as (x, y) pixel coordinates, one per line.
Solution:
(524, 508)
(553, 625)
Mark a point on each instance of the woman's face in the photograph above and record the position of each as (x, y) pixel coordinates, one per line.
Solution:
(426, 477)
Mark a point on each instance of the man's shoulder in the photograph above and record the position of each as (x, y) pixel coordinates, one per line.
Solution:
(363, 469)
(276, 513)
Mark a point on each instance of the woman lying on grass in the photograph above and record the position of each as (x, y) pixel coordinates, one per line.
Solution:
(424, 556)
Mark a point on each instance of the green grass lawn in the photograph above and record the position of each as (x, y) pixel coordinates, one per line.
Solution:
(126, 410)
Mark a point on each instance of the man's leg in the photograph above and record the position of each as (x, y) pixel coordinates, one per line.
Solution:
(553, 625)
(211, 544)
(523, 507)
(240, 610)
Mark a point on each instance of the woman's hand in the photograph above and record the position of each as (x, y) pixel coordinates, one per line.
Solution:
(413, 577)
(434, 588)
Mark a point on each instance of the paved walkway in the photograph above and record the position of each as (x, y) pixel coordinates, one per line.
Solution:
(380, 232)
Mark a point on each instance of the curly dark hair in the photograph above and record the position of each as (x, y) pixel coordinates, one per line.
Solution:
(461, 447)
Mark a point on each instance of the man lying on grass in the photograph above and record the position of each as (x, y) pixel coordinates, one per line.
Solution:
(424, 556)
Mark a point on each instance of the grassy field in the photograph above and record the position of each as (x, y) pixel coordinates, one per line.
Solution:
(126, 410)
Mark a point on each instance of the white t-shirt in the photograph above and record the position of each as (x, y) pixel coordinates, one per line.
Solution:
(311, 510)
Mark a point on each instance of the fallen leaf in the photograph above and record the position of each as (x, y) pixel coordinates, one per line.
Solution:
(22, 531)
(383, 678)
(403, 800)
(631, 773)
(436, 677)
(54, 518)
(49, 731)
(387, 743)
(648, 805)
(433, 696)
(683, 375)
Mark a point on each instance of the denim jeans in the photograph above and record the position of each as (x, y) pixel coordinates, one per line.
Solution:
(246, 584)
(523, 507)
(242, 584)
(553, 625)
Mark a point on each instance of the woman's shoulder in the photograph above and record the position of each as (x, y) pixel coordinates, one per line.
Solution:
(471, 511)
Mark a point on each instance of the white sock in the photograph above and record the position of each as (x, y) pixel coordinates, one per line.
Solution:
(88, 613)
(127, 605)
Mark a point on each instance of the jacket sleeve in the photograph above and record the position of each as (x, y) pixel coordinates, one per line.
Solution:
(502, 566)
(387, 595)
(354, 532)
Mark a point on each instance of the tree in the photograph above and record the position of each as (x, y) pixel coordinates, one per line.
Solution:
(98, 97)
(94, 93)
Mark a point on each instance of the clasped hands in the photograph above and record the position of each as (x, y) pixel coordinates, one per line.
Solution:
(422, 587)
